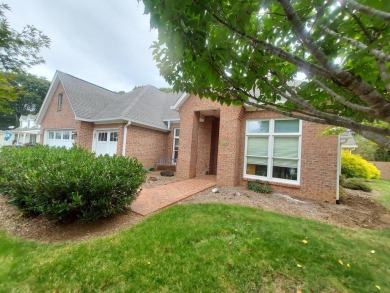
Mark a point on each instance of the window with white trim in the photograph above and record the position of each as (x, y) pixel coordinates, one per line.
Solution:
(175, 152)
(273, 150)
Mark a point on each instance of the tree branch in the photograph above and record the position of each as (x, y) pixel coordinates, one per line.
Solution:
(374, 52)
(341, 99)
(384, 74)
(378, 14)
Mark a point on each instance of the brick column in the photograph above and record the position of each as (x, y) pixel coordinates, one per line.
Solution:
(188, 148)
(229, 145)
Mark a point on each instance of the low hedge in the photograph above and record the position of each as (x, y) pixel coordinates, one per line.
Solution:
(356, 184)
(70, 184)
(354, 166)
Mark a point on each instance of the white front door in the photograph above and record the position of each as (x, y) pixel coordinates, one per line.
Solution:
(106, 142)
(59, 138)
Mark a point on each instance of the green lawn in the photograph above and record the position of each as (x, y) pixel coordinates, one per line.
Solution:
(205, 248)
(384, 188)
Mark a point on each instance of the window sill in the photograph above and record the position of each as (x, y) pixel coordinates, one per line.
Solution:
(276, 183)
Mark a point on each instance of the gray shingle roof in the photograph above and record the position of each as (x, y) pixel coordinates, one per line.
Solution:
(145, 105)
(347, 140)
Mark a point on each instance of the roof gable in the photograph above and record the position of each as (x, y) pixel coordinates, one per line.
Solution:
(145, 105)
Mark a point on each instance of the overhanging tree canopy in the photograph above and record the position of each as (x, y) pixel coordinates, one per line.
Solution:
(18, 51)
(228, 50)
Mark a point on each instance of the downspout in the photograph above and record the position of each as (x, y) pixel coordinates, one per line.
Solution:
(125, 138)
(338, 170)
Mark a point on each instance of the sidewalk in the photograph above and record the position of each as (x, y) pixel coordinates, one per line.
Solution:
(156, 198)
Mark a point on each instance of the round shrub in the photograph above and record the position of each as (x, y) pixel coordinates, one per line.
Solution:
(356, 166)
(70, 184)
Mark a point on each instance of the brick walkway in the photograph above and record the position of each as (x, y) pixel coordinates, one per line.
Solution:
(156, 198)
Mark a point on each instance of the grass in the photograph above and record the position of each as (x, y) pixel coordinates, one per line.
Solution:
(205, 248)
(383, 186)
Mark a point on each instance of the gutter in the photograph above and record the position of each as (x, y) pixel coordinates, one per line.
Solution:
(125, 138)
(339, 143)
(338, 170)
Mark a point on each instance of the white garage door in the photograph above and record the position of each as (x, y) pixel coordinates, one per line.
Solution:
(106, 142)
(59, 138)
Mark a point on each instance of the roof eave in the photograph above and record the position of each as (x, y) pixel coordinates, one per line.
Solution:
(180, 101)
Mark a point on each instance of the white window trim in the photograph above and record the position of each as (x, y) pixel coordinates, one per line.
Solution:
(95, 138)
(173, 144)
(271, 135)
(46, 133)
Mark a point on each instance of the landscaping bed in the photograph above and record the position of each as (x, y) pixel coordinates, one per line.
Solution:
(358, 210)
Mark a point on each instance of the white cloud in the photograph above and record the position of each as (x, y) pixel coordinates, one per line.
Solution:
(104, 42)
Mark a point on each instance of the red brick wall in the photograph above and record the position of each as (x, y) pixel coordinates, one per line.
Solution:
(189, 126)
(84, 134)
(53, 119)
(229, 145)
(147, 145)
(318, 154)
(384, 167)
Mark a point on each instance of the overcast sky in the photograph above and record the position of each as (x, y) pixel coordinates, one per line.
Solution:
(105, 42)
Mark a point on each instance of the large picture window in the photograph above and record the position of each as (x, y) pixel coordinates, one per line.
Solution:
(272, 150)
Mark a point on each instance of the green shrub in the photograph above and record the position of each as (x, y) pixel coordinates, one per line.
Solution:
(354, 166)
(260, 187)
(357, 184)
(68, 184)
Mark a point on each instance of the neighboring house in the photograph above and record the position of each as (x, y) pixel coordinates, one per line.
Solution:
(136, 124)
(347, 141)
(239, 144)
(27, 132)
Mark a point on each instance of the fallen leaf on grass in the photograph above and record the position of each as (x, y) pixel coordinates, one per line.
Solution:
(341, 262)
(304, 241)
(378, 287)
(298, 265)
(372, 251)
(348, 265)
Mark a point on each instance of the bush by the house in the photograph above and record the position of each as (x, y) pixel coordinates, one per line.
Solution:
(355, 166)
(68, 184)
(357, 184)
(260, 187)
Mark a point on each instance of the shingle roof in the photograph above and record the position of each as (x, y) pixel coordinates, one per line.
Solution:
(347, 140)
(145, 105)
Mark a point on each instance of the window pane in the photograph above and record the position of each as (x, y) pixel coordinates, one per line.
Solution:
(177, 131)
(176, 142)
(259, 170)
(257, 161)
(288, 173)
(257, 146)
(102, 136)
(114, 136)
(65, 135)
(58, 135)
(51, 135)
(256, 126)
(286, 163)
(286, 147)
(286, 126)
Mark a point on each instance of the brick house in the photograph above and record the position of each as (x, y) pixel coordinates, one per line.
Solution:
(137, 124)
(236, 144)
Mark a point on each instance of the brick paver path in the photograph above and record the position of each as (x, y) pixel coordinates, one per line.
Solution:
(156, 198)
